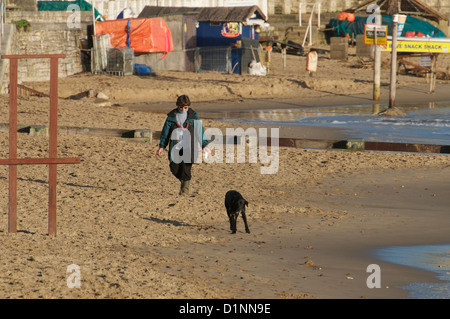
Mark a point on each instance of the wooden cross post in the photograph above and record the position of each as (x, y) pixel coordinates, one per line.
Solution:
(394, 62)
(53, 159)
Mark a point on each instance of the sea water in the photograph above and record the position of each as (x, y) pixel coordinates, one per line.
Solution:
(434, 258)
(421, 124)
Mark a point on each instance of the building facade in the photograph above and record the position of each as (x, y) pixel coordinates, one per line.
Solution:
(112, 8)
(292, 6)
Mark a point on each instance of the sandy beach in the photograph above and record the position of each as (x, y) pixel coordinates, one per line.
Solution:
(313, 223)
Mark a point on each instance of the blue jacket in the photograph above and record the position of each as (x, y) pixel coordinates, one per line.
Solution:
(192, 124)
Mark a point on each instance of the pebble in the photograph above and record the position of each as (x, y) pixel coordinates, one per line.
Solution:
(102, 96)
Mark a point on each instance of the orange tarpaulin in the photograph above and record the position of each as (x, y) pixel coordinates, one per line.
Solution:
(146, 35)
(346, 16)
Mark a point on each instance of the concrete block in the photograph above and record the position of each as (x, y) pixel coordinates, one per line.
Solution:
(73, 131)
(338, 55)
(39, 130)
(338, 40)
(355, 145)
(142, 133)
(339, 48)
(362, 49)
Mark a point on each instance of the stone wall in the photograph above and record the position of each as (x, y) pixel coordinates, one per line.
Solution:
(44, 41)
(23, 5)
(48, 17)
(57, 37)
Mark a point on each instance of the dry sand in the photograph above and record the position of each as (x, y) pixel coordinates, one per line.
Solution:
(120, 218)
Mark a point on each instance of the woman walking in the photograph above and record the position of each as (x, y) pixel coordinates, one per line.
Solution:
(181, 130)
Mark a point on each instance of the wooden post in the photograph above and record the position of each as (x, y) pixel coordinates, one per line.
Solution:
(433, 73)
(53, 159)
(53, 145)
(393, 86)
(12, 215)
(300, 14)
(377, 73)
(377, 64)
(93, 17)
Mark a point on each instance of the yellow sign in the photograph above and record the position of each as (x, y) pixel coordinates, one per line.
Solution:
(381, 34)
(428, 46)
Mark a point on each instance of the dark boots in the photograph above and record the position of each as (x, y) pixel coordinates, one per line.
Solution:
(184, 190)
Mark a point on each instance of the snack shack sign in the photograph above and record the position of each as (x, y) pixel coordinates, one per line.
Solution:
(426, 45)
(375, 33)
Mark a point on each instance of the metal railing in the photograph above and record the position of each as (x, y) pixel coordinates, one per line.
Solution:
(108, 60)
(223, 59)
(316, 6)
(213, 59)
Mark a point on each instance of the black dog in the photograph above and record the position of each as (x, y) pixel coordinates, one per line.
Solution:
(235, 204)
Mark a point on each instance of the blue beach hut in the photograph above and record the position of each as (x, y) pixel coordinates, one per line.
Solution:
(221, 33)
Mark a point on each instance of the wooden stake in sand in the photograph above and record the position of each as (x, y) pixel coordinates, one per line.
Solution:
(395, 25)
(53, 159)
(377, 60)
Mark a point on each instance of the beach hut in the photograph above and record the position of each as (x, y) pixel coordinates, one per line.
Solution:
(182, 24)
(217, 26)
(213, 39)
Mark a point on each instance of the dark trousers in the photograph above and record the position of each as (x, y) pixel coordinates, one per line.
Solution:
(182, 171)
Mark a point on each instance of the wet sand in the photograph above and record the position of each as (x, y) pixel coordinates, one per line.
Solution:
(389, 207)
(405, 95)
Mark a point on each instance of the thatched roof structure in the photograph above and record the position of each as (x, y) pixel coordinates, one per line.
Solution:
(212, 14)
(407, 7)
